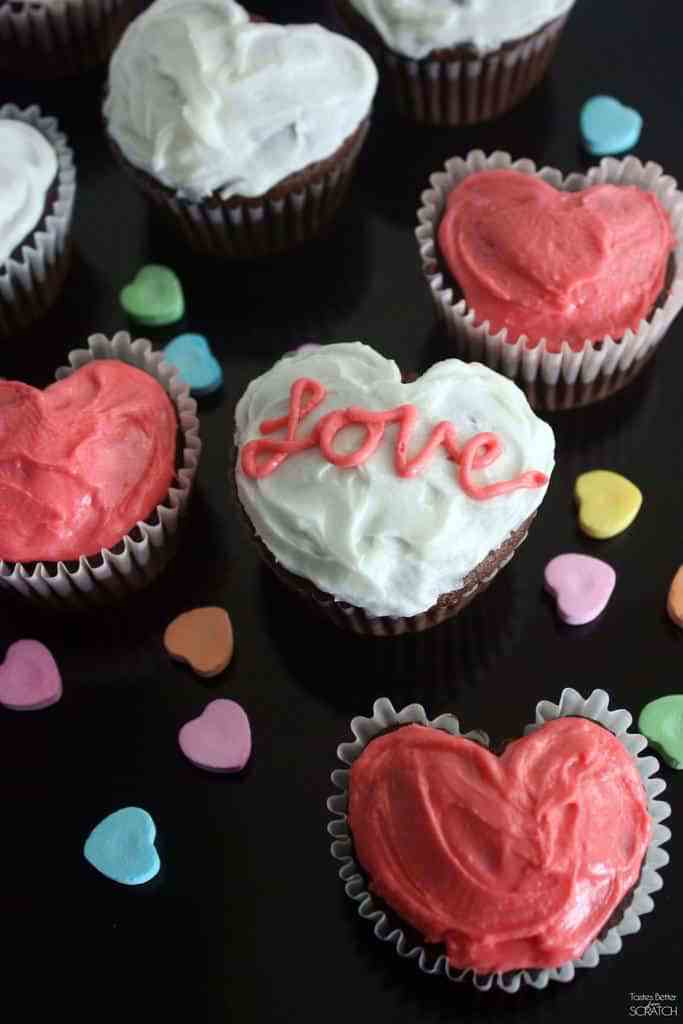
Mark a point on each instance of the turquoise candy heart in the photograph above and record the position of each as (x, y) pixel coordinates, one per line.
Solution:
(607, 126)
(154, 297)
(122, 847)
(196, 363)
(661, 721)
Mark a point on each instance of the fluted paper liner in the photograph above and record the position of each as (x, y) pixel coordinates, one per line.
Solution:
(253, 228)
(595, 707)
(466, 89)
(599, 367)
(58, 38)
(30, 284)
(141, 555)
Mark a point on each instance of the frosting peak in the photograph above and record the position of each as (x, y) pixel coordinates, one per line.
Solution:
(416, 27)
(81, 462)
(28, 167)
(511, 862)
(205, 100)
(382, 541)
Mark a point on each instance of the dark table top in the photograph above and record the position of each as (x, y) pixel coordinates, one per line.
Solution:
(247, 919)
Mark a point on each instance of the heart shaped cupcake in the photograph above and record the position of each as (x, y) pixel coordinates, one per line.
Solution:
(565, 284)
(392, 500)
(82, 461)
(554, 265)
(510, 868)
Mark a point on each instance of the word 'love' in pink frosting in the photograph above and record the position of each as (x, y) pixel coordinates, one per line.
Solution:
(262, 457)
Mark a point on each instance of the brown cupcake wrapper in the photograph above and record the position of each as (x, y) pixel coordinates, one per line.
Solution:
(141, 555)
(61, 39)
(387, 925)
(239, 228)
(465, 88)
(551, 380)
(30, 283)
(357, 620)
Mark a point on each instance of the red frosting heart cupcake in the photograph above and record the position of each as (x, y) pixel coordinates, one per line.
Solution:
(91, 473)
(567, 286)
(511, 868)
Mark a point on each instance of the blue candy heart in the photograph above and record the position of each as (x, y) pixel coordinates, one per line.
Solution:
(122, 847)
(197, 364)
(607, 126)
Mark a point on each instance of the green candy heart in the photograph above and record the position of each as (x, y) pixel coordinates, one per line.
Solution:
(154, 297)
(661, 722)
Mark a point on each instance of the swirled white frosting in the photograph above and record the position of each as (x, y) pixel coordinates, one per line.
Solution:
(205, 100)
(28, 166)
(389, 544)
(416, 27)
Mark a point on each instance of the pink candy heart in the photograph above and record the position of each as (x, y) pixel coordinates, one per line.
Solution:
(581, 585)
(29, 677)
(219, 740)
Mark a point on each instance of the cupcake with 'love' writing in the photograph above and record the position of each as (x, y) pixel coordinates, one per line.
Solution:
(567, 285)
(387, 505)
(243, 133)
(97, 472)
(506, 868)
(452, 62)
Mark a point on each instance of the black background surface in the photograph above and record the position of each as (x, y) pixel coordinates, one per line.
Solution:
(247, 919)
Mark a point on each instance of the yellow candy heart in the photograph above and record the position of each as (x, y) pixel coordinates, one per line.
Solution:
(608, 503)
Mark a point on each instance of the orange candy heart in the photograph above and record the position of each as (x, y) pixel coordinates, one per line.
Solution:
(203, 639)
(674, 604)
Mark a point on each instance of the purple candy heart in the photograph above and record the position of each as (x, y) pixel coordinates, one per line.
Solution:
(219, 740)
(581, 585)
(29, 677)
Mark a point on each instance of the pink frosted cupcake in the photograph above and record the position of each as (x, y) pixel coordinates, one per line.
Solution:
(567, 285)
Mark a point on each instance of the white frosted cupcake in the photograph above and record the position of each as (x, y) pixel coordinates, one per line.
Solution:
(458, 61)
(37, 190)
(244, 132)
(60, 38)
(389, 505)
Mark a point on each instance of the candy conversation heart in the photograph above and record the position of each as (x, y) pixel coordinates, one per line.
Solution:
(674, 603)
(607, 126)
(581, 585)
(154, 297)
(608, 503)
(661, 721)
(196, 363)
(219, 740)
(29, 677)
(201, 638)
(122, 847)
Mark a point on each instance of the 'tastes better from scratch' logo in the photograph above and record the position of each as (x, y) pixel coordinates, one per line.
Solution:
(657, 1004)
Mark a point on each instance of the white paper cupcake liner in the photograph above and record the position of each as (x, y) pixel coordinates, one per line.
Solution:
(595, 707)
(600, 367)
(30, 284)
(59, 38)
(144, 551)
(253, 229)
